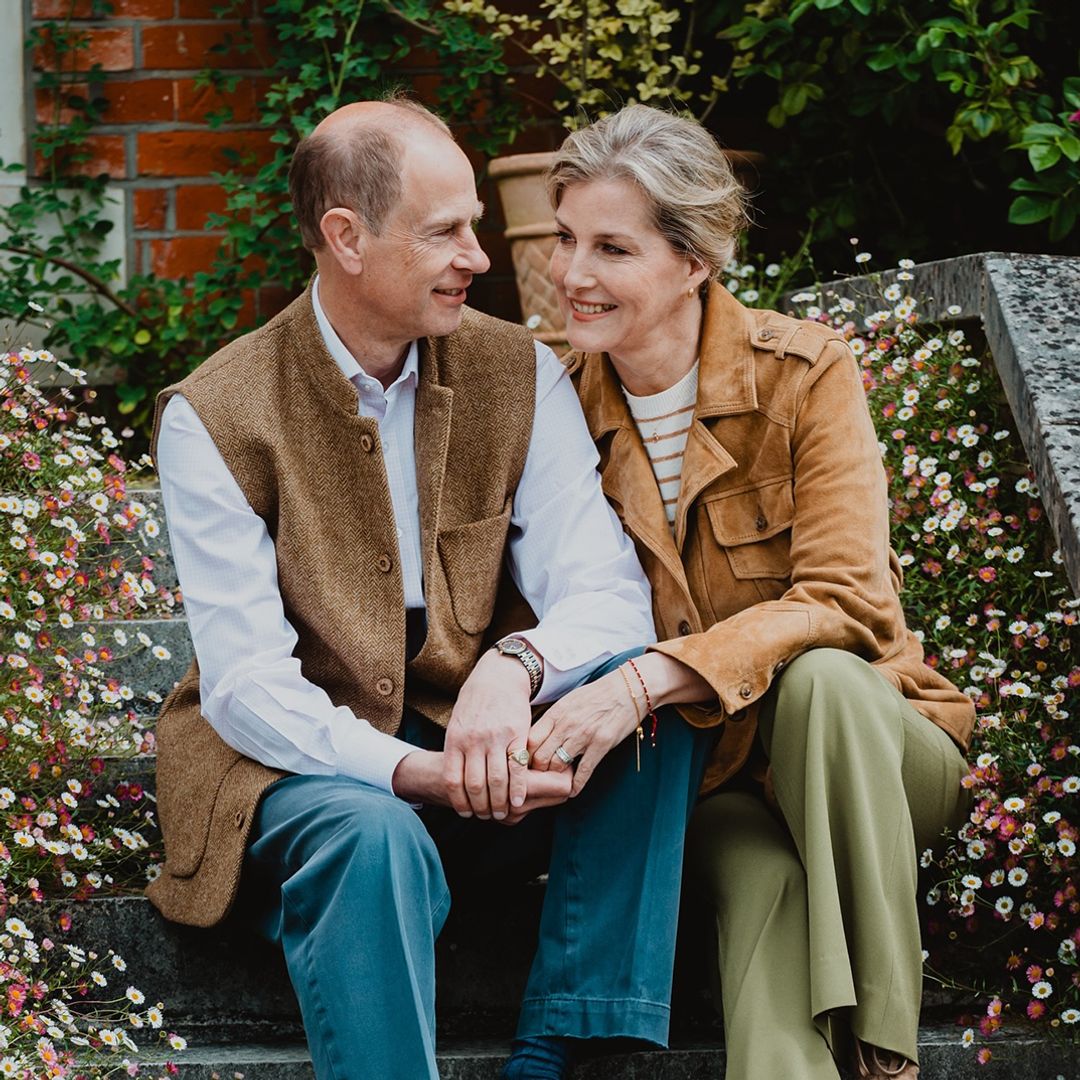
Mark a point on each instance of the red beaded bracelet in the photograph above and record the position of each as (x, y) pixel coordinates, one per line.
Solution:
(650, 712)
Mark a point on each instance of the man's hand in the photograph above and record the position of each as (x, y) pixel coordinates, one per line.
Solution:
(421, 777)
(490, 718)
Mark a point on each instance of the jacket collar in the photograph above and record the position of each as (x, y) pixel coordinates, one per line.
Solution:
(725, 381)
(726, 386)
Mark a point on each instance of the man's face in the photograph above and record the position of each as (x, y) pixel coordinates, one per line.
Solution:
(416, 271)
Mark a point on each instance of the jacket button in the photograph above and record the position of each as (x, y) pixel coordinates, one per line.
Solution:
(684, 628)
(385, 687)
(239, 819)
(761, 523)
(778, 667)
(746, 690)
(765, 335)
(367, 443)
(384, 564)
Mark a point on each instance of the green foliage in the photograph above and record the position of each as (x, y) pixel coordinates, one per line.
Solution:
(602, 54)
(54, 239)
(154, 330)
(992, 67)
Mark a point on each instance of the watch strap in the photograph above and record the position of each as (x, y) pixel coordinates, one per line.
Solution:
(531, 662)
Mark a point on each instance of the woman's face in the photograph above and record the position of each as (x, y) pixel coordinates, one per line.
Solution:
(622, 289)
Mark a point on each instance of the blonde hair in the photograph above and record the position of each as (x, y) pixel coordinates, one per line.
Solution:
(698, 204)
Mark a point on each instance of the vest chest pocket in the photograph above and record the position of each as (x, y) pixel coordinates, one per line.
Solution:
(472, 557)
(753, 527)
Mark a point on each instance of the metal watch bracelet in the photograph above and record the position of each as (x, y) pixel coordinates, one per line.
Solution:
(521, 650)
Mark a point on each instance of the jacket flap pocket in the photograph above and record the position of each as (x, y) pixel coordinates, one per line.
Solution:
(752, 514)
(752, 526)
(472, 557)
(192, 768)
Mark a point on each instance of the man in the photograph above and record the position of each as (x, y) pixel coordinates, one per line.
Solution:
(343, 487)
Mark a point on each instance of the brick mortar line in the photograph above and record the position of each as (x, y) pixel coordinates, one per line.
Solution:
(140, 74)
(179, 127)
(124, 22)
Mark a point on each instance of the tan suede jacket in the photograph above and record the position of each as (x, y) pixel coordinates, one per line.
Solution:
(782, 527)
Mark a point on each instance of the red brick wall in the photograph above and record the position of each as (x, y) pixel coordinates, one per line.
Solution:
(156, 145)
(154, 141)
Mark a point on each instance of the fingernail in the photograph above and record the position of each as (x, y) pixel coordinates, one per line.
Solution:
(518, 800)
(465, 813)
(499, 815)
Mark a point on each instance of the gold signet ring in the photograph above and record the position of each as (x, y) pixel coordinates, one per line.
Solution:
(521, 756)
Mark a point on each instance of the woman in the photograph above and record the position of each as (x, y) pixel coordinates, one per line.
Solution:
(737, 448)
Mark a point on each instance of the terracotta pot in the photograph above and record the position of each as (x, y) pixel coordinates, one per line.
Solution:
(530, 228)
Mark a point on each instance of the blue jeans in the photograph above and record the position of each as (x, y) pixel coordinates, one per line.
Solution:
(351, 882)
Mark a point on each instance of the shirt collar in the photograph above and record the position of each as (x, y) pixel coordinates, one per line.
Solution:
(345, 360)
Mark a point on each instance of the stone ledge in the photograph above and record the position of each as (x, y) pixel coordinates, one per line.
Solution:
(1016, 1054)
(1026, 305)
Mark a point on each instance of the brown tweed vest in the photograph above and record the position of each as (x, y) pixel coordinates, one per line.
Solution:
(285, 421)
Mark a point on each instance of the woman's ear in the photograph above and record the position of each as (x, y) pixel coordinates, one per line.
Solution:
(346, 238)
(698, 274)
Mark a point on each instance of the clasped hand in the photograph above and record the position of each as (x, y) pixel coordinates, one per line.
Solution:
(586, 724)
(491, 718)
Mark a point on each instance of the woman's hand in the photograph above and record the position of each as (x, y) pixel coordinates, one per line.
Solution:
(586, 723)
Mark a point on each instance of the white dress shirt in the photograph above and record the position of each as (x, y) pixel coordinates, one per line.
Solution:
(568, 556)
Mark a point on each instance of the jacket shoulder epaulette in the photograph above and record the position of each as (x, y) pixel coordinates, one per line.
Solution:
(784, 336)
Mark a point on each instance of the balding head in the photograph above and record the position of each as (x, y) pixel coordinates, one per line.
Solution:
(353, 159)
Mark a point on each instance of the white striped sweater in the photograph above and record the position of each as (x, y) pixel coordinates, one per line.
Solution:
(663, 420)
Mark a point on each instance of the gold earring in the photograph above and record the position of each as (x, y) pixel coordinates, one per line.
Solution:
(690, 293)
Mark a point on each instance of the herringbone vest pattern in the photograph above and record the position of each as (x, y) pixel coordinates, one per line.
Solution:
(284, 419)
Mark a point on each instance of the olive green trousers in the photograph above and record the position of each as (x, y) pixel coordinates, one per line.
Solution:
(816, 924)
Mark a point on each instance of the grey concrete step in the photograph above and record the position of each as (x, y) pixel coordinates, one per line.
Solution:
(1016, 1055)
(226, 979)
(139, 668)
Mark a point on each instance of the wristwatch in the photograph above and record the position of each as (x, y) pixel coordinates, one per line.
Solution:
(522, 650)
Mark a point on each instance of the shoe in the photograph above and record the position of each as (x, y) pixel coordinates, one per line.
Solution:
(872, 1063)
(538, 1057)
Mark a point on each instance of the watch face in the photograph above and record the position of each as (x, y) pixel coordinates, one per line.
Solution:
(512, 647)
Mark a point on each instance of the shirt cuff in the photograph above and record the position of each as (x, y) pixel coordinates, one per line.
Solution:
(367, 754)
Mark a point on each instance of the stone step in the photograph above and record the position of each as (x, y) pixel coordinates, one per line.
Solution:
(1016, 1054)
(141, 669)
(227, 978)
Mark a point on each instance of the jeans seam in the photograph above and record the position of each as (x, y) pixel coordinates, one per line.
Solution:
(313, 989)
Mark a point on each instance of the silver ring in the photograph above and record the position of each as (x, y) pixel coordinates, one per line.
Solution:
(563, 756)
(520, 756)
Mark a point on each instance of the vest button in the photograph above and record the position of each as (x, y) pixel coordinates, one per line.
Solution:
(384, 564)
(761, 523)
(684, 628)
(746, 690)
(385, 687)
(367, 443)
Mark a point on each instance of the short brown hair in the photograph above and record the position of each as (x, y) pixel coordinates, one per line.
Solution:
(361, 171)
